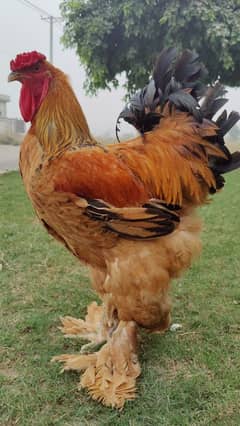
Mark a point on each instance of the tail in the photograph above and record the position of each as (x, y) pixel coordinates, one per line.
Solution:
(212, 102)
(177, 81)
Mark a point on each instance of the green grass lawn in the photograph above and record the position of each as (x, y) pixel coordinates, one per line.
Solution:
(190, 377)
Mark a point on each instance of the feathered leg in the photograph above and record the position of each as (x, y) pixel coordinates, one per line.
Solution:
(93, 328)
(110, 374)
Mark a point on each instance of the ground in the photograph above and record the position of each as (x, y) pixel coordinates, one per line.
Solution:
(189, 377)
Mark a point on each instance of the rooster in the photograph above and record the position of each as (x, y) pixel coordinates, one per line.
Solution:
(127, 210)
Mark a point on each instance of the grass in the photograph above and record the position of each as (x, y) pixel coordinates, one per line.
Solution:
(190, 377)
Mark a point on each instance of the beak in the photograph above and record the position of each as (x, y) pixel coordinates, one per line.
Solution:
(14, 76)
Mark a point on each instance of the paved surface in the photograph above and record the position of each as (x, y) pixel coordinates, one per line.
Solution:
(8, 158)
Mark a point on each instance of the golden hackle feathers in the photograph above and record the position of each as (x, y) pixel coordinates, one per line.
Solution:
(60, 121)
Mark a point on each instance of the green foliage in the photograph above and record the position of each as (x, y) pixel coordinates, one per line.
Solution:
(112, 36)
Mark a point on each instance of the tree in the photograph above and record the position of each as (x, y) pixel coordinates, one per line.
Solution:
(113, 36)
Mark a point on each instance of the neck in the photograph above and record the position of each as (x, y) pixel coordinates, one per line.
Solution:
(60, 123)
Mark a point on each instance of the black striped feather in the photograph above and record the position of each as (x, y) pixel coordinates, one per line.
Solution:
(152, 220)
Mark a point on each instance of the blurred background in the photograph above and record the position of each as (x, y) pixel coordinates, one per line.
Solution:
(25, 26)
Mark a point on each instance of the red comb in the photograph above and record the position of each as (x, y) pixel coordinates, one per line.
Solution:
(24, 60)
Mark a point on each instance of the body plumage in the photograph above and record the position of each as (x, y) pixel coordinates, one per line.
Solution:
(127, 210)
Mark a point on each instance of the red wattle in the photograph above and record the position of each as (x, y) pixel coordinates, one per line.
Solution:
(31, 97)
(27, 103)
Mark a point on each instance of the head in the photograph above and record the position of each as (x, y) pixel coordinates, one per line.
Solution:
(35, 75)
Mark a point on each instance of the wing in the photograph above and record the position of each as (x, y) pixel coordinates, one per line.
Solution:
(154, 219)
(96, 172)
(107, 191)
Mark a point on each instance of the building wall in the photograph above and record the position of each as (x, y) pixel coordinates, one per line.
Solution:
(12, 128)
(3, 109)
(3, 105)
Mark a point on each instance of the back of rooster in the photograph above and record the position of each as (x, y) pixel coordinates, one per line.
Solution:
(128, 210)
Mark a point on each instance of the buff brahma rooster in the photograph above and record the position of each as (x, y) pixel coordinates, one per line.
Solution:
(127, 210)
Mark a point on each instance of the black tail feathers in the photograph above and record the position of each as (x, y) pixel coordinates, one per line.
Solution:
(177, 80)
(211, 104)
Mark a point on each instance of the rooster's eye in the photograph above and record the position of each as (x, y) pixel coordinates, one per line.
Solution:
(36, 67)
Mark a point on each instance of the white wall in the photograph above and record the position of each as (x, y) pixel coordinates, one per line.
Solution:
(12, 127)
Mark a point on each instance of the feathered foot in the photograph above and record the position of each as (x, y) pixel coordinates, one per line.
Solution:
(92, 328)
(110, 374)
